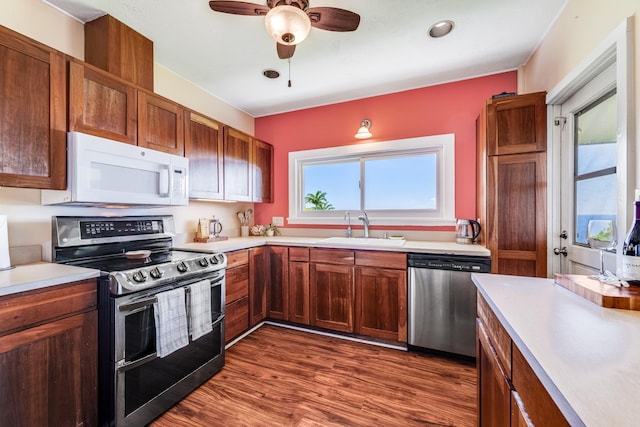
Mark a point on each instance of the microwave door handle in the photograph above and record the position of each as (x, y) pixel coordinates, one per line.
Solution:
(163, 190)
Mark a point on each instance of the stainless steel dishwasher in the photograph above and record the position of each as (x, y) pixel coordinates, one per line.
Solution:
(442, 302)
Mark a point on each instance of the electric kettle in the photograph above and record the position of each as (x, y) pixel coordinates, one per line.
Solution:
(467, 230)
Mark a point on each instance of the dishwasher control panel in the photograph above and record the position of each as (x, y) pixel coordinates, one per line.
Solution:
(469, 264)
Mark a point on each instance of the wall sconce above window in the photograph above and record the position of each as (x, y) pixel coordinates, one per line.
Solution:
(364, 132)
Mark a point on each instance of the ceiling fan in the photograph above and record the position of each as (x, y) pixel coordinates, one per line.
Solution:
(289, 21)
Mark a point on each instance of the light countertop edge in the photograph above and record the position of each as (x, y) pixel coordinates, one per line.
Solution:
(40, 275)
(237, 243)
(586, 356)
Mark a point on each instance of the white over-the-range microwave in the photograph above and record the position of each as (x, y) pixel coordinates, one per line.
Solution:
(101, 172)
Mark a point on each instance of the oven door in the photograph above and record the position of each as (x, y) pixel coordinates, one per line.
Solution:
(147, 385)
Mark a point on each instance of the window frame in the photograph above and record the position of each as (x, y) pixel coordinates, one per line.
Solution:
(442, 145)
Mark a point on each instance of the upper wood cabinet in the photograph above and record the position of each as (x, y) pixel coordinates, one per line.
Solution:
(101, 105)
(203, 146)
(262, 172)
(238, 169)
(114, 47)
(517, 124)
(511, 184)
(33, 114)
(160, 124)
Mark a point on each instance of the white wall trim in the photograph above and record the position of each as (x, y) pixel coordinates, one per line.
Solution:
(616, 48)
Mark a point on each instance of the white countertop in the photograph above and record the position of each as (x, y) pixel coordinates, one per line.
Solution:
(236, 243)
(35, 276)
(588, 357)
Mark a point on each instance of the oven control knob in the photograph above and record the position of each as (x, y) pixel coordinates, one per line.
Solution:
(182, 267)
(139, 276)
(203, 262)
(156, 273)
(213, 260)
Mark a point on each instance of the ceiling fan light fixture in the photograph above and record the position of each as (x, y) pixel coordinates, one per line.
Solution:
(287, 25)
(364, 132)
(441, 28)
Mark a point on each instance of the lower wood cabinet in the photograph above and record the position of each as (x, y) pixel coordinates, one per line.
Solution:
(509, 391)
(278, 291)
(258, 280)
(332, 296)
(299, 285)
(237, 294)
(48, 356)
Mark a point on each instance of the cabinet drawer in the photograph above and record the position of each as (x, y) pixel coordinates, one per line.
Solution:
(236, 318)
(28, 309)
(237, 283)
(298, 254)
(498, 336)
(237, 258)
(332, 256)
(395, 260)
(540, 408)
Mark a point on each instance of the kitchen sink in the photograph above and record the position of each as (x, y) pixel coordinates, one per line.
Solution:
(362, 241)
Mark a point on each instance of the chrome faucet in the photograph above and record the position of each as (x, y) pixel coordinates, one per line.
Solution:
(365, 220)
(347, 216)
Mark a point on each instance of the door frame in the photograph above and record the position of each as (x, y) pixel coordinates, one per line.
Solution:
(616, 48)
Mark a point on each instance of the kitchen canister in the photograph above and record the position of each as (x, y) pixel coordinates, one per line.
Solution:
(5, 261)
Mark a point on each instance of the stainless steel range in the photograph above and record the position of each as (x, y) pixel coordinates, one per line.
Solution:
(161, 311)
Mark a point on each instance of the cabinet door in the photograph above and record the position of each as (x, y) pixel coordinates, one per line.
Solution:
(49, 373)
(494, 388)
(517, 124)
(33, 119)
(258, 283)
(519, 417)
(381, 303)
(516, 227)
(101, 105)
(160, 124)
(299, 292)
(238, 159)
(203, 147)
(332, 296)
(262, 172)
(278, 295)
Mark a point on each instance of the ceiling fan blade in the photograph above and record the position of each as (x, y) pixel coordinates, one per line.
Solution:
(333, 19)
(238, 7)
(285, 51)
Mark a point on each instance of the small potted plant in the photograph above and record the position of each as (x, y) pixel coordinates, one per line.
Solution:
(271, 230)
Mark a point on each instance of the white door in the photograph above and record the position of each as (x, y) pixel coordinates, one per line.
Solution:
(588, 167)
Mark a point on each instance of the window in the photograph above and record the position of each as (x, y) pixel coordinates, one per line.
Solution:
(403, 182)
(595, 164)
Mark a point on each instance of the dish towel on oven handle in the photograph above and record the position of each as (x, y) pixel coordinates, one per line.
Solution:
(200, 309)
(171, 322)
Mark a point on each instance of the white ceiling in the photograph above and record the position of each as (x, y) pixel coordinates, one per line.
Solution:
(390, 51)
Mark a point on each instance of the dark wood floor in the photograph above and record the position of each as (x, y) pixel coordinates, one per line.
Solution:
(284, 377)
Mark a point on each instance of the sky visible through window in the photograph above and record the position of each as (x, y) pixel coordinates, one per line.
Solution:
(402, 182)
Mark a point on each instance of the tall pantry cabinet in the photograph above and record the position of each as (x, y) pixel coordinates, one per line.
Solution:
(511, 181)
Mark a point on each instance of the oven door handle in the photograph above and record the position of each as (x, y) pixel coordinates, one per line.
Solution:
(217, 281)
(123, 365)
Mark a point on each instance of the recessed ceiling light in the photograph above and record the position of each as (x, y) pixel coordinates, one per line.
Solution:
(441, 29)
(271, 74)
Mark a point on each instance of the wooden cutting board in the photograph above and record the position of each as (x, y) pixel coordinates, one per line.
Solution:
(600, 293)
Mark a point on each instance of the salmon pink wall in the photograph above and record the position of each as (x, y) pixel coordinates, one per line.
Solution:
(447, 108)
